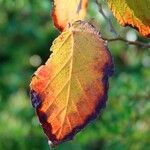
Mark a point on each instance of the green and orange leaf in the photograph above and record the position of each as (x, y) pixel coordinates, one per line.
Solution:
(132, 12)
(71, 88)
(68, 11)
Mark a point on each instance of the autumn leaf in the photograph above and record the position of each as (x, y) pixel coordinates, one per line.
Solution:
(132, 12)
(68, 11)
(71, 88)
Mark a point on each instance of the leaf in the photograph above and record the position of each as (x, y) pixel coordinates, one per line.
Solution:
(71, 88)
(132, 12)
(68, 11)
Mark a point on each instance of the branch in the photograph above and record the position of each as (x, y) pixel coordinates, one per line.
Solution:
(106, 18)
(137, 43)
(112, 29)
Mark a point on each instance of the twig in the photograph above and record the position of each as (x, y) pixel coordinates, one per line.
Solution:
(106, 18)
(137, 43)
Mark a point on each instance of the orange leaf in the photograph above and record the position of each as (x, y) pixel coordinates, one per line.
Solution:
(68, 11)
(132, 12)
(71, 88)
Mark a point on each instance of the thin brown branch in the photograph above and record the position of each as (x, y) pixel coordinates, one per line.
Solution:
(137, 43)
(112, 29)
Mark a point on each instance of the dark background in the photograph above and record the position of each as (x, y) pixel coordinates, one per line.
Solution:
(26, 34)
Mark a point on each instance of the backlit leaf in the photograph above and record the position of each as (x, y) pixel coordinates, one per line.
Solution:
(68, 11)
(71, 88)
(132, 12)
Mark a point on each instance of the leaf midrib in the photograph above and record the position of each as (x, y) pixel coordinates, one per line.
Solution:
(69, 84)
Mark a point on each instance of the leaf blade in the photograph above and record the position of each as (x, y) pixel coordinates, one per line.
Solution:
(73, 96)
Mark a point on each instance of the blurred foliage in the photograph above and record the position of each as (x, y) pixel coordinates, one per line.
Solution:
(26, 33)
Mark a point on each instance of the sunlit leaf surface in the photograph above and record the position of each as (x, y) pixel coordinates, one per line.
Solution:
(71, 88)
(68, 11)
(132, 12)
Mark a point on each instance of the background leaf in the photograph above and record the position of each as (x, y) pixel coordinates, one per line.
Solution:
(68, 11)
(132, 12)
